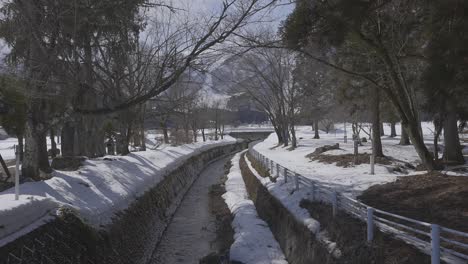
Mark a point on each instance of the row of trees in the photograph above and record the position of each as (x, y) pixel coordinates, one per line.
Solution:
(186, 108)
(85, 64)
(409, 55)
(351, 60)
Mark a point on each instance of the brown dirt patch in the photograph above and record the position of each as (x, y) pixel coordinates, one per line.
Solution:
(432, 197)
(350, 235)
(347, 160)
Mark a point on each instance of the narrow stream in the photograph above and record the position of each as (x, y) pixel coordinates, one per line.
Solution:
(191, 233)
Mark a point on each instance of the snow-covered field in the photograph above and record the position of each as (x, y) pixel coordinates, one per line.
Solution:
(253, 241)
(97, 190)
(353, 179)
(7, 149)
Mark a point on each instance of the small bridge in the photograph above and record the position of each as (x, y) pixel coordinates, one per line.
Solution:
(251, 135)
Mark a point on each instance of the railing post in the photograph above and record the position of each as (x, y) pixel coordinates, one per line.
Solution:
(285, 175)
(277, 171)
(334, 203)
(370, 224)
(272, 168)
(435, 244)
(296, 180)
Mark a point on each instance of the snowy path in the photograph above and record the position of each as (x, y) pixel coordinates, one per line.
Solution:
(190, 235)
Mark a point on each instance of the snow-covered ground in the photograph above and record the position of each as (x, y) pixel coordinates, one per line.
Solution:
(98, 189)
(284, 192)
(353, 179)
(253, 241)
(7, 149)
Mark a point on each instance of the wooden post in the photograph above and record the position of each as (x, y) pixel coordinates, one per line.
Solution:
(277, 170)
(285, 175)
(370, 224)
(435, 244)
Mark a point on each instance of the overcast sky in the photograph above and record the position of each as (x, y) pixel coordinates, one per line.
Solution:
(205, 6)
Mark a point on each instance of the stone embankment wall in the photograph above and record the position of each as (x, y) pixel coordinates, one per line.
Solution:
(133, 234)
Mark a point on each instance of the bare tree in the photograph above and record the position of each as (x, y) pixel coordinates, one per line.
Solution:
(269, 81)
(96, 60)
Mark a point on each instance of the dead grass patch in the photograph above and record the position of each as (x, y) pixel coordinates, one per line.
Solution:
(433, 197)
(350, 235)
(347, 160)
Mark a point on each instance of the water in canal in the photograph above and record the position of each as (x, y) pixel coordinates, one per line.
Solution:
(191, 234)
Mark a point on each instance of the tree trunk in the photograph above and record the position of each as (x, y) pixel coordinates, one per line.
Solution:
(316, 129)
(405, 105)
(393, 130)
(21, 146)
(142, 136)
(438, 130)
(68, 139)
(129, 135)
(404, 140)
(285, 132)
(165, 133)
(203, 134)
(376, 124)
(123, 141)
(293, 137)
(195, 136)
(453, 150)
(222, 131)
(277, 129)
(418, 142)
(35, 154)
(53, 145)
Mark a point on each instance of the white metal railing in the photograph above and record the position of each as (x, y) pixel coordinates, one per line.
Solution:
(437, 241)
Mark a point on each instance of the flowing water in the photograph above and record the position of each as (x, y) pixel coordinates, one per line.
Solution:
(190, 235)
